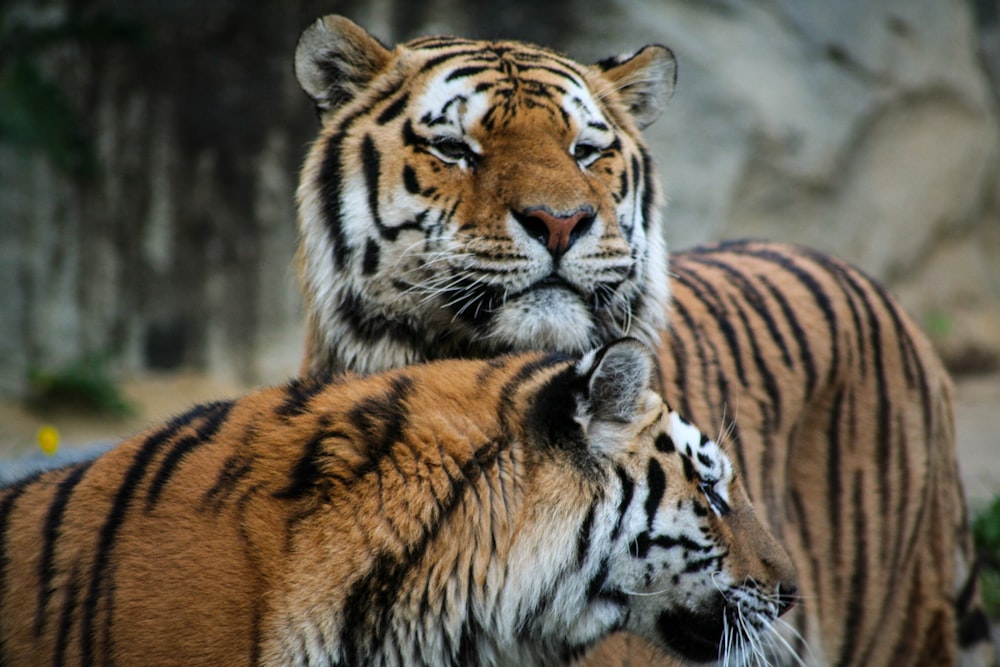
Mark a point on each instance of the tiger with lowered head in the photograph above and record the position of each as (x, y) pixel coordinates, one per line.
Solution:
(503, 512)
(467, 198)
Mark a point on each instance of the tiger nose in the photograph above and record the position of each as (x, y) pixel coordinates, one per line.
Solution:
(555, 231)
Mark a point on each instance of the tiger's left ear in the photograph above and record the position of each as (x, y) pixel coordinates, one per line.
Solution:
(644, 80)
(617, 378)
(335, 59)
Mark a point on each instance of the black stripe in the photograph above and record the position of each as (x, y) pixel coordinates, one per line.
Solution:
(68, 615)
(648, 188)
(752, 296)
(798, 333)
(973, 628)
(706, 293)
(306, 473)
(773, 401)
(50, 535)
(664, 443)
(299, 392)
(465, 72)
(372, 327)
(445, 57)
(883, 405)
(855, 613)
(586, 533)
(10, 495)
(784, 260)
(368, 605)
(369, 265)
(109, 531)
(329, 190)
(393, 111)
(656, 480)
(381, 420)
(214, 415)
(834, 484)
(371, 162)
(234, 469)
(628, 490)
(410, 181)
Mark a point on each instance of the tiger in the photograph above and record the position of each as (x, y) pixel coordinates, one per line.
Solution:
(467, 198)
(510, 511)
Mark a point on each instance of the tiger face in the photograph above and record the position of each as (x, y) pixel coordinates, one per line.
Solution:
(679, 553)
(465, 198)
(513, 511)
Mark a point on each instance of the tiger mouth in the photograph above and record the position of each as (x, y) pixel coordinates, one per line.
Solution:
(552, 280)
(694, 637)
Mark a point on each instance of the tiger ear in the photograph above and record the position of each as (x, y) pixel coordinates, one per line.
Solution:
(644, 80)
(617, 378)
(335, 58)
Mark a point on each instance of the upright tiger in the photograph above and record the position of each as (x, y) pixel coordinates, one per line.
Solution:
(503, 512)
(467, 198)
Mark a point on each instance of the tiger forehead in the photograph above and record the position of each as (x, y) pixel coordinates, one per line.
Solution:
(474, 80)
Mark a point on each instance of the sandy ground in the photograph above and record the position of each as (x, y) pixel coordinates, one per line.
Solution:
(160, 397)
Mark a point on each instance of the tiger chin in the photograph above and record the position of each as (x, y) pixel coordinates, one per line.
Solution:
(504, 512)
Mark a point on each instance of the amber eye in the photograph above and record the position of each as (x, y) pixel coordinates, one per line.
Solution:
(452, 150)
(586, 153)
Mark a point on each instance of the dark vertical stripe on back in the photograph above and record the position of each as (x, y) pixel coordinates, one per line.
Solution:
(834, 484)
(113, 523)
(10, 495)
(854, 616)
(50, 535)
(753, 297)
(708, 296)
(214, 417)
(821, 298)
(798, 333)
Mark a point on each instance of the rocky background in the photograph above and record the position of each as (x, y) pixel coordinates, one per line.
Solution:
(149, 152)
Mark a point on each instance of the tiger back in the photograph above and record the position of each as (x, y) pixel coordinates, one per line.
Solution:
(467, 198)
(512, 511)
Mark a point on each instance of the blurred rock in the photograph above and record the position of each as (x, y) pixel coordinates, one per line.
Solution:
(869, 130)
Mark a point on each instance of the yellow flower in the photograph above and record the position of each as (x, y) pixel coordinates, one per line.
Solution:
(48, 439)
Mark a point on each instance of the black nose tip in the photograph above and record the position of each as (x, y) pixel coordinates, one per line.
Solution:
(788, 595)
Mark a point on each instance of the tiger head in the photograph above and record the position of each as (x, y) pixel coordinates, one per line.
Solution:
(466, 198)
(664, 542)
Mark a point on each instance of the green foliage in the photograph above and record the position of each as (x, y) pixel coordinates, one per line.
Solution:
(85, 384)
(986, 533)
(34, 111)
(939, 324)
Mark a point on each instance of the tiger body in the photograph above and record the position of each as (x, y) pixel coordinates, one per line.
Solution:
(468, 198)
(503, 512)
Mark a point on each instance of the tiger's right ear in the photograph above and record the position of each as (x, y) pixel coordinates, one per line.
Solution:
(335, 59)
(617, 378)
